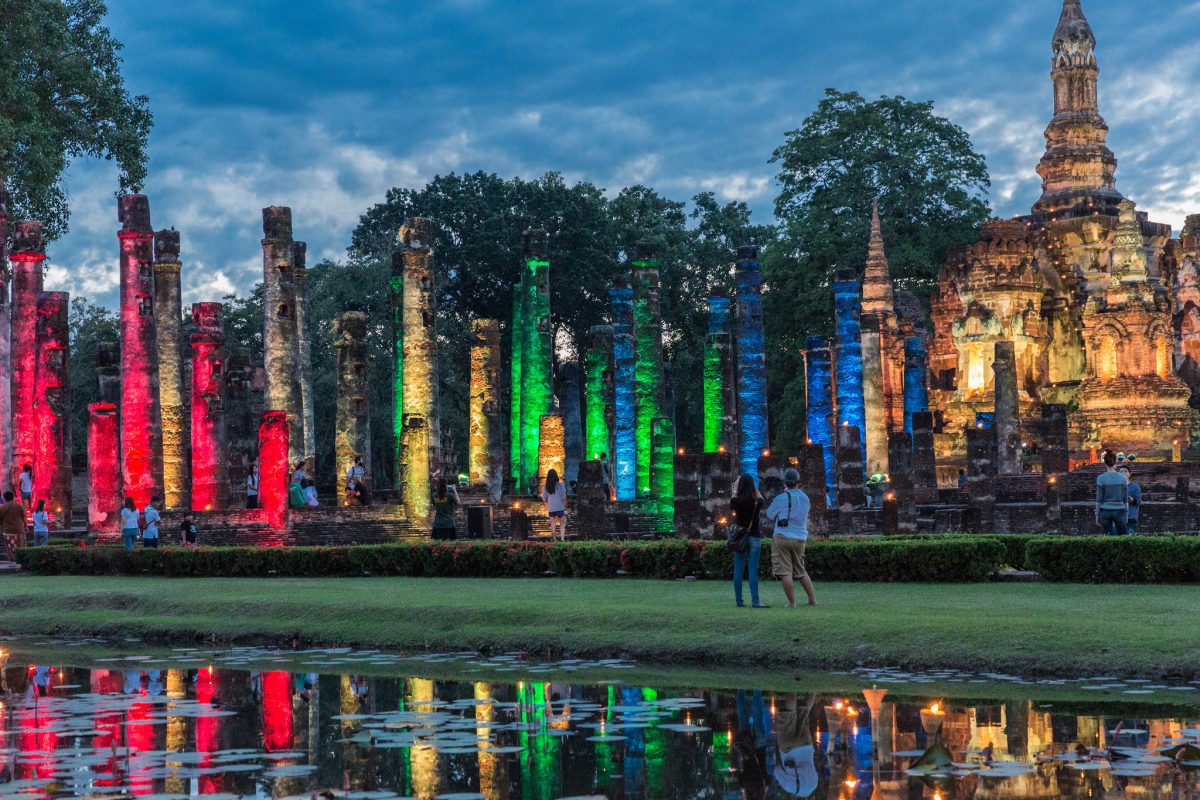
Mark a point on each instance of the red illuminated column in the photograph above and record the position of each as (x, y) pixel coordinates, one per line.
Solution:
(141, 435)
(278, 733)
(208, 730)
(104, 476)
(27, 257)
(273, 468)
(51, 408)
(6, 433)
(210, 483)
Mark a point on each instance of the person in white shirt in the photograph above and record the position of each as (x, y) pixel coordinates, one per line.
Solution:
(129, 523)
(789, 512)
(26, 484)
(41, 524)
(310, 494)
(152, 518)
(299, 476)
(356, 471)
(554, 495)
(252, 485)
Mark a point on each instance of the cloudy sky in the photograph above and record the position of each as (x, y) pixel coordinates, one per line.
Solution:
(323, 105)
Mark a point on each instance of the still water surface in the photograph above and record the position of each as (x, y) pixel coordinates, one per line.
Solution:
(363, 724)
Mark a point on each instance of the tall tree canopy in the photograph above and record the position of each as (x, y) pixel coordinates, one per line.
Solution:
(62, 96)
(931, 185)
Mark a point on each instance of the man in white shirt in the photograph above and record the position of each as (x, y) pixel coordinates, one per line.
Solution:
(252, 485)
(152, 518)
(789, 512)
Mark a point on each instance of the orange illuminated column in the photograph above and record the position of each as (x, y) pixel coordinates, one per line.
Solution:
(27, 257)
(6, 442)
(210, 482)
(141, 433)
(277, 711)
(51, 408)
(273, 468)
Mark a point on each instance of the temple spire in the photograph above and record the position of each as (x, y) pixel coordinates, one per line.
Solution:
(1077, 168)
(878, 296)
(875, 248)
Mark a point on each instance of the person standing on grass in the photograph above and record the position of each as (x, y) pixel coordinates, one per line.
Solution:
(746, 505)
(41, 524)
(445, 503)
(1112, 498)
(129, 524)
(26, 484)
(554, 495)
(1135, 497)
(789, 512)
(12, 524)
(151, 517)
(252, 485)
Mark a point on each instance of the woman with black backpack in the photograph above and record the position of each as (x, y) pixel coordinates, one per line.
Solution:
(745, 542)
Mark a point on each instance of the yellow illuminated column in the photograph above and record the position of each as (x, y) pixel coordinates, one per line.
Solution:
(551, 447)
(177, 729)
(486, 453)
(490, 785)
(424, 758)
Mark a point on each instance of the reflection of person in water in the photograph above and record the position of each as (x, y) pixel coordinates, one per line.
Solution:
(795, 771)
(750, 744)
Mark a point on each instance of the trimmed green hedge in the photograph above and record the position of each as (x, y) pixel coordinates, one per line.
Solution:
(945, 559)
(1115, 559)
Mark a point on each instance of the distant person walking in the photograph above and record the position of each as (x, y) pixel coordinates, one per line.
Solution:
(554, 495)
(789, 512)
(252, 485)
(445, 503)
(12, 524)
(41, 524)
(1135, 497)
(1112, 498)
(151, 518)
(129, 524)
(26, 484)
(746, 542)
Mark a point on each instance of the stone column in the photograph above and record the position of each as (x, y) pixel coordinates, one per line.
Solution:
(924, 461)
(625, 450)
(274, 468)
(590, 504)
(689, 518)
(648, 354)
(6, 364)
(1007, 423)
(104, 476)
(717, 478)
(516, 336)
(280, 346)
(241, 426)
(551, 452)
(168, 323)
(537, 358)
(141, 433)
(1054, 489)
(485, 455)
(352, 434)
(753, 436)
(27, 257)
(599, 410)
(812, 481)
(421, 437)
(720, 377)
(981, 496)
(568, 399)
(210, 453)
(819, 385)
(52, 408)
(1056, 452)
(662, 471)
(916, 387)
(396, 302)
(304, 355)
(900, 480)
(851, 492)
(874, 410)
(848, 377)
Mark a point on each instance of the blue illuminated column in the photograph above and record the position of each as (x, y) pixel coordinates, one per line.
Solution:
(916, 391)
(819, 387)
(847, 298)
(624, 392)
(751, 363)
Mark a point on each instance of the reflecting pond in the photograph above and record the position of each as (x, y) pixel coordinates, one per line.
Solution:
(335, 723)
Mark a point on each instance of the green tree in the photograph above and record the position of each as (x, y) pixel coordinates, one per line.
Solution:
(62, 96)
(89, 325)
(931, 186)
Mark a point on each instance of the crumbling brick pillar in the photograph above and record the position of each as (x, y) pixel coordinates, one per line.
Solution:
(662, 471)
(104, 476)
(304, 355)
(396, 306)
(599, 410)
(52, 408)
(210, 453)
(168, 323)
(924, 460)
(1056, 449)
(1054, 490)
(141, 430)
(589, 505)
(485, 454)
(687, 493)
(6, 365)
(280, 345)
(537, 391)
(718, 480)
(1007, 423)
(27, 257)
(771, 467)
(648, 363)
(851, 492)
(753, 436)
(901, 481)
(243, 405)
(874, 408)
(812, 481)
(720, 376)
(981, 496)
(274, 468)
(420, 366)
(352, 434)
(568, 402)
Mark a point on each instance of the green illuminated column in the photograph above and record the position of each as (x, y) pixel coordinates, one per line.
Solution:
(537, 399)
(648, 356)
(598, 392)
(516, 335)
(396, 284)
(662, 471)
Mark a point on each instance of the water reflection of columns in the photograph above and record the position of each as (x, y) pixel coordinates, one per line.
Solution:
(490, 783)
(177, 730)
(208, 733)
(423, 759)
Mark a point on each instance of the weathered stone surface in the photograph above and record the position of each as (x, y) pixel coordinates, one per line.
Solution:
(1007, 423)
(6, 363)
(304, 355)
(52, 408)
(900, 481)
(924, 461)
(851, 482)
(27, 257)
(352, 431)
(485, 454)
(280, 343)
(173, 409)
(209, 447)
(420, 367)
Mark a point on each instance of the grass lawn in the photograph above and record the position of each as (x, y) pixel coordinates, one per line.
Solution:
(1068, 630)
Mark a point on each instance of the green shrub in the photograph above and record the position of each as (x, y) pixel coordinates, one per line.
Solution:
(943, 559)
(1115, 559)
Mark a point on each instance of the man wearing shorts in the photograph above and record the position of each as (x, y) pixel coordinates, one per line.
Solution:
(789, 512)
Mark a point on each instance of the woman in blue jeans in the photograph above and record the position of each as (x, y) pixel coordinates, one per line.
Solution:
(746, 505)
